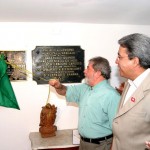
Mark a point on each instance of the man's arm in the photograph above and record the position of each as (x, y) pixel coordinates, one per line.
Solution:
(60, 88)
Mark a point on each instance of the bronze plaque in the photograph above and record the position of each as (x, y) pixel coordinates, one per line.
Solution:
(65, 63)
(16, 67)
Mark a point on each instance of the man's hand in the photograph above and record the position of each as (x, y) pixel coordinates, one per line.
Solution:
(55, 83)
(147, 143)
(60, 89)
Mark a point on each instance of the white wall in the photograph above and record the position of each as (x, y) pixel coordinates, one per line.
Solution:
(95, 39)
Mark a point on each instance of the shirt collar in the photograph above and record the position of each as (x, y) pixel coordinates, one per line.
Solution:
(139, 79)
(100, 84)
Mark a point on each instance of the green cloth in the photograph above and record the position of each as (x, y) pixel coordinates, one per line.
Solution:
(7, 96)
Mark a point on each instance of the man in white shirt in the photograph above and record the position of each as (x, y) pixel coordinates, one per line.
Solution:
(131, 126)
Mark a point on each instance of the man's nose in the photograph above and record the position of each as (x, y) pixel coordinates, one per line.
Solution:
(116, 61)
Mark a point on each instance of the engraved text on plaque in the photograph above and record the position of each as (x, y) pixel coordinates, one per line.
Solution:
(65, 63)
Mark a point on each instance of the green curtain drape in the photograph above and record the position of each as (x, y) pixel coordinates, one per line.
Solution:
(7, 95)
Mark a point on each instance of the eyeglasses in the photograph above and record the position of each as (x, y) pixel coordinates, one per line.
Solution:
(121, 57)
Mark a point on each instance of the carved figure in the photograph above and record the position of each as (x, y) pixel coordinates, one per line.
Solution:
(47, 120)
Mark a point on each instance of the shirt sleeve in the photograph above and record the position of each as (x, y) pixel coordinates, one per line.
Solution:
(73, 93)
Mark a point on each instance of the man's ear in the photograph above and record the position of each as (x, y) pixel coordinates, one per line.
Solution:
(136, 61)
(98, 73)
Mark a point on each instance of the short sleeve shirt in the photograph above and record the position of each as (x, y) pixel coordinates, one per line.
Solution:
(97, 108)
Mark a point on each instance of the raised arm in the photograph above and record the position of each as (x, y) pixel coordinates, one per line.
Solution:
(60, 88)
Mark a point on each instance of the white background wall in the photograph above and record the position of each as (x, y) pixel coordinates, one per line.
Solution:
(95, 39)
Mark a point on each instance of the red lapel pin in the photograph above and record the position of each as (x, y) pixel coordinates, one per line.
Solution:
(132, 99)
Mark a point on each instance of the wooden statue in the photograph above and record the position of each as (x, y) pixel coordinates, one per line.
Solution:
(47, 120)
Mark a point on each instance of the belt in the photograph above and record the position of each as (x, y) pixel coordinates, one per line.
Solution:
(97, 140)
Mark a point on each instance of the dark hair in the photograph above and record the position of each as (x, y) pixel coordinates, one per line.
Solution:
(101, 64)
(137, 45)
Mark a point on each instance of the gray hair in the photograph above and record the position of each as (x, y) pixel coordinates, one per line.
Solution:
(137, 45)
(101, 64)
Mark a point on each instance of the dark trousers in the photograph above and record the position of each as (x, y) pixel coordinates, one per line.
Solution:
(104, 145)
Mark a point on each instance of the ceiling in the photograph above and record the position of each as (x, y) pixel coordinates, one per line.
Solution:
(135, 12)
